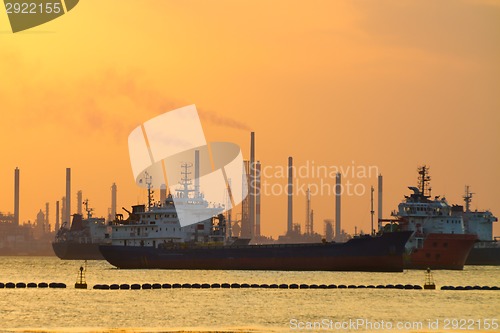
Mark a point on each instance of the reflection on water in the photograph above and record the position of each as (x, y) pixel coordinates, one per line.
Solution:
(231, 310)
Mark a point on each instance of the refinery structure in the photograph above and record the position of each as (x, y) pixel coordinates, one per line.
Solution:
(34, 237)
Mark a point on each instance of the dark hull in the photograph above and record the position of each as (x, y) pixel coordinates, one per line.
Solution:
(484, 256)
(371, 254)
(77, 251)
(441, 251)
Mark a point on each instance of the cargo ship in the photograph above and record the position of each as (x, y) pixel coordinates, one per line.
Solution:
(81, 240)
(439, 239)
(153, 238)
(486, 251)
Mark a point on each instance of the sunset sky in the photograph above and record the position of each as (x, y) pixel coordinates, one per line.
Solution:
(390, 84)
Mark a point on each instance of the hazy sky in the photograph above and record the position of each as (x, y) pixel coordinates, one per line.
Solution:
(390, 84)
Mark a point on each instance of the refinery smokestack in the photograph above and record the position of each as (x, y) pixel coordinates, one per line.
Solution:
(79, 202)
(67, 213)
(196, 173)
(163, 195)
(16, 196)
(338, 193)
(290, 196)
(380, 198)
(113, 201)
(252, 184)
(63, 210)
(257, 205)
(47, 225)
(57, 226)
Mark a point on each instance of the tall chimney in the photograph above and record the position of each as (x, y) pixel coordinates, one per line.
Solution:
(338, 192)
(252, 184)
(380, 213)
(196, 173)
(290, 196)
(67, 213)
(79, 202)
(113, 201)
(16, 196)
(47, 225)
(163, 195)
(308, 211)
(57, 226)
(63, 211)
(257, 205)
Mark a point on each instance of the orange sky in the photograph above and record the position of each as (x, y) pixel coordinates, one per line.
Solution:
(392, 84)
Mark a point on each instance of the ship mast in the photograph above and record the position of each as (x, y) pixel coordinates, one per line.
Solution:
(185, 180)
(87, 209)
(467, 198)
(423, 181)
(149, 181)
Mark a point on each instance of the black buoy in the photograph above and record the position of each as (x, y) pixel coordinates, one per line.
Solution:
(399, 286)
(205, 286)
(342, 286)
(166, 286)
(235, 285)
(245, 285)
(186, 285)
(264, 286)
(156, 286)
(146, 286)
(20, 285)
(409, 286)
(332, 286)
(254, 285)
(273, 286)
(417, 287)
(225, 285)
(124, 286)
(97, 286)
(43, 285)
(10, 285)
(135, 286)
(293, 286)
(176, 286)
(114, 286)
(31, 285)
(80, 281)
(283, 286)
(196, 286)
(390, 286)
(380, 286)
(215, 285)
(370, 286)
(323, 286)
(313, 286)
(352, 286)
(2, 285)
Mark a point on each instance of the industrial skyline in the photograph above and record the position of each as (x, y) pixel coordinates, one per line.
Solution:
(388, 85)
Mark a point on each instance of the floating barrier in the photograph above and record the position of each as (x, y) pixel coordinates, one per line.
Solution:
(148, 286)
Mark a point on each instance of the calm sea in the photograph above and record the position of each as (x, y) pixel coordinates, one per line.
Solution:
(242, 310)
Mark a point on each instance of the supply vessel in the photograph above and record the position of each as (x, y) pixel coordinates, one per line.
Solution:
(153, 238)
